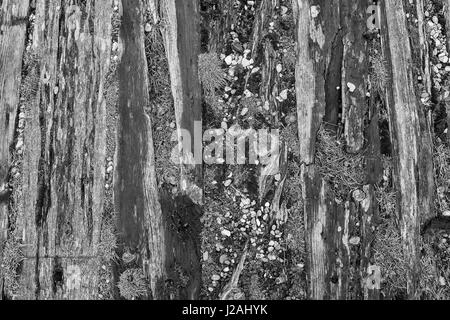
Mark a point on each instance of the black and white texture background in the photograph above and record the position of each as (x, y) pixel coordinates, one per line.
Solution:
(224, 149)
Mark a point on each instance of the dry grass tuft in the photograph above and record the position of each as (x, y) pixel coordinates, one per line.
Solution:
(108, 241)
(345, 170)
(133, 284)
(30, 75)
(211, 74)
(442, 176)
(379, 73)
(388, 255)
(255, 290)
(11, 257)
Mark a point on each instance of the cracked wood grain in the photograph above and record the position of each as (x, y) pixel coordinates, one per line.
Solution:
(64, 157)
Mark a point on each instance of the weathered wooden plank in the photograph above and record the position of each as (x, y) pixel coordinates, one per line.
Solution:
(310, 110)
(446, 4)
(136, 192)
(182, 42)
(411, 137)
(332, 64)
(354, 74)
(180, 22)
(13, 25)
(64, 157)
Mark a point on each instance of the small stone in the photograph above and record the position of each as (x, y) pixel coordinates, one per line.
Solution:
(215, 277)
(351, 87)
(226, 233)
(227, 183)
(223, 258)
(205, 256)
(446, 213)
(315, 11)
(284, 94)
(279, 68)
(244, 111)
(19, 144)
(148, 27)
(443, 59)
(247, 63)
(229, 60)
(354, 241)
(224, 125)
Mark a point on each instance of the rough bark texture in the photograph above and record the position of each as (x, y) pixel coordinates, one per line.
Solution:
(63, 169)
(411, 137)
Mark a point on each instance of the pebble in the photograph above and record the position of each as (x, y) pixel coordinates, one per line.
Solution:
(279, 68)
(223, 258)
(355, 241)
(226, 233)
(284, 94)
(19, 144)
(443, 59)
(442, 281)
(247, 62)
(229, 60)
(215, 277)
(351, 87)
